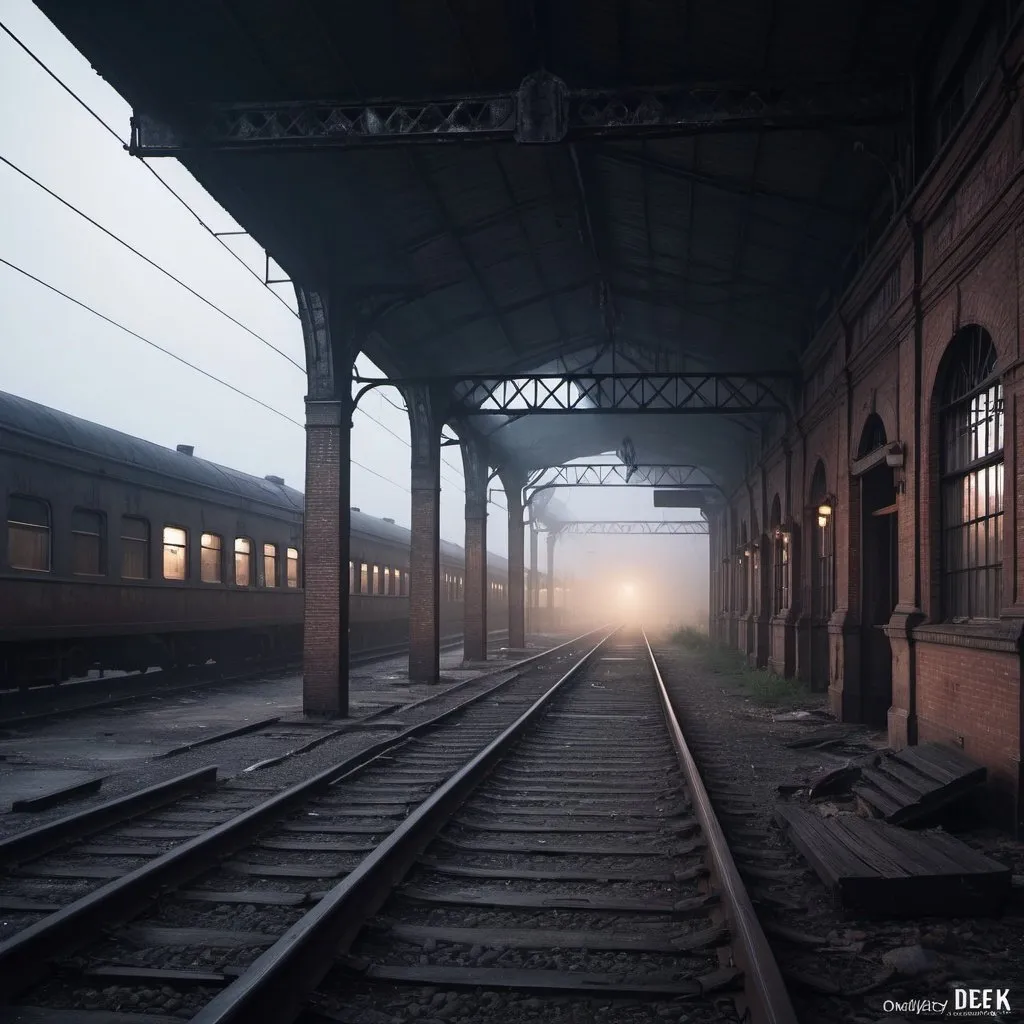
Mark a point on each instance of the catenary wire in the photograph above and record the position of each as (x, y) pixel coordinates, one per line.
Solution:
(85, 106)
(142, 256)
(180, 359)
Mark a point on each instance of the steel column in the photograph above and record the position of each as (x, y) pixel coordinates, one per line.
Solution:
(531, 625)
(552, 614)
(425, 547)
(325, 531)
(474, 608)
(513, 484)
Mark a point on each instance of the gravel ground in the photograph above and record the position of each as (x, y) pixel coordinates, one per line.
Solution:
(840, 968)
(430, 1005)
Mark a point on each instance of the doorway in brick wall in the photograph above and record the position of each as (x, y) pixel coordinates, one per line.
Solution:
(879, 557)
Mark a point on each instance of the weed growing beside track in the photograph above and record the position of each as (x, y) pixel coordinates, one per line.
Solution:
(758, 684)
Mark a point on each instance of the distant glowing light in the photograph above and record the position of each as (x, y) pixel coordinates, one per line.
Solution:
(628, 590)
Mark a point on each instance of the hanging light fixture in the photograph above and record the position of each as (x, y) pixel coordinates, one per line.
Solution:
(824, 513)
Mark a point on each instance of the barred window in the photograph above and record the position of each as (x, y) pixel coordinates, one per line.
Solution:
(293, 568)
(243, 562)
(211, 558)
(28, 534)
(134, 548)
(87, 537)
(971, 425)
(270, 565)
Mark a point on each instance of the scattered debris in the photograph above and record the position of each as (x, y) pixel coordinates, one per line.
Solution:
(911, 960)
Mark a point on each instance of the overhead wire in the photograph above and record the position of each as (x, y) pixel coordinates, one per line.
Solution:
(116, 135)
(177, 358)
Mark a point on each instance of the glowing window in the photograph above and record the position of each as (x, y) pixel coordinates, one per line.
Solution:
(175, 553)
(243, 562)
(211, 558)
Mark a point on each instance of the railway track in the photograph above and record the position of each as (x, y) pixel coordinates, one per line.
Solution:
(568, 867)
(73, 878)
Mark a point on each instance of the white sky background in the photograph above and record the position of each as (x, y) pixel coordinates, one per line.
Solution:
(62, 356)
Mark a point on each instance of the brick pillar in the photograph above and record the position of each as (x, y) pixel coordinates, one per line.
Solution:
(424, 556)
(474, 605)
(531, 618)
(516, 606)
(325, 545)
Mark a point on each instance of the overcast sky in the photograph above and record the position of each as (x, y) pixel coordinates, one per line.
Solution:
(61, 355)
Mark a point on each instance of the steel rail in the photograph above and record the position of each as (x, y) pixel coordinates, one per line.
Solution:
(36, 842)
(25, 957)
(767, 998)
(275, 987)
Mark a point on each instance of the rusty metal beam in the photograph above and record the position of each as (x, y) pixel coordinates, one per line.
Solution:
(544, 109)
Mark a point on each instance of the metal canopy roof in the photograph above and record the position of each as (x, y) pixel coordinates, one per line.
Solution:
(706, 245)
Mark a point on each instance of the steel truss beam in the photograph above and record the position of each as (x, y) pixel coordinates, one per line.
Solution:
(630, 527)
(609, 393)
(614, 475)
(542, 110)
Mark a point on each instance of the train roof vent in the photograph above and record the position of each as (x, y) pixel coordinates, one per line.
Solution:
(275, 480)
(352, 508)
(391, 521)
(186, 449)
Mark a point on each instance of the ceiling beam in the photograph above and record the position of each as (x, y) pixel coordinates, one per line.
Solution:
(542, 110)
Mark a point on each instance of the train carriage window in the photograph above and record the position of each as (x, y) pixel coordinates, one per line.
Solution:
(405, 583)
(28, 534)
(270, 565)
(87, 537)
(134, 548)
(364, 578)
(211, 558)
(293, 568)
(376, 580)
(175, 553)
(243, 562)
(351, 573)
(387, 581)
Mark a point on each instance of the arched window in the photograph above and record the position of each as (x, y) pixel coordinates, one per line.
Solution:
(823, 583)
(971, 427)
(872, 437)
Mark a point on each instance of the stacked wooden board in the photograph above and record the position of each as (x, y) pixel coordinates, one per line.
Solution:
(883, 870)
(912, 784)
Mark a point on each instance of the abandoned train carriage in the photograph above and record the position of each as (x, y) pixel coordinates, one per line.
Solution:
(877, 551)
(120, 553)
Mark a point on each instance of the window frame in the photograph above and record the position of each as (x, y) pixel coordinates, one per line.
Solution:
(46, 530)
(203, 548)
(145, 541)
(249, 555)
(270, 579)
(292, 556)
(101, 540)
(185, 546)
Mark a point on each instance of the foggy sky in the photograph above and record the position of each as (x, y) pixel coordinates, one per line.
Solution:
(62, 356)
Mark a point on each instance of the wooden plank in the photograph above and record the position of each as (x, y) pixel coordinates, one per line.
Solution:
(304, 846)
(258, 897)
(875, 800)
(160, 833)
(343, 830)
(99, 850)
(570, 826)
(58, 796)
(21, 905)
(62, 1015)
(502, 897)
(563, 875)
(284, 870)
(927, 760)
(68, 871)
(923, 785)
(584, 849)
(609, 986)
(648, 815)
(155, 975)
(892, 788)
(647, 941)
(807, 832)
(213, 938)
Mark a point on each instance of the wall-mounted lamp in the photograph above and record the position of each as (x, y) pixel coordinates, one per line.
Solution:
(746, 551)
(895, 456)
(824, 513)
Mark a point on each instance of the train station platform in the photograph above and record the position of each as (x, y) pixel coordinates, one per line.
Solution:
(50, 765)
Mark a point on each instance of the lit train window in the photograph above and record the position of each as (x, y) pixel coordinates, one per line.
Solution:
(87, 542)
(293, 567)
(211, 554)
(270, 565)
(351, 572)
(375, 589)
(243, 562)
(175, 553)
(387, 581)
(134, 548)
(28, 534)
(364, 578)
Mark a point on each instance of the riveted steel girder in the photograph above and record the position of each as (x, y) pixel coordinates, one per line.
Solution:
(544, 109)
(630, 527)
(682, 476)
